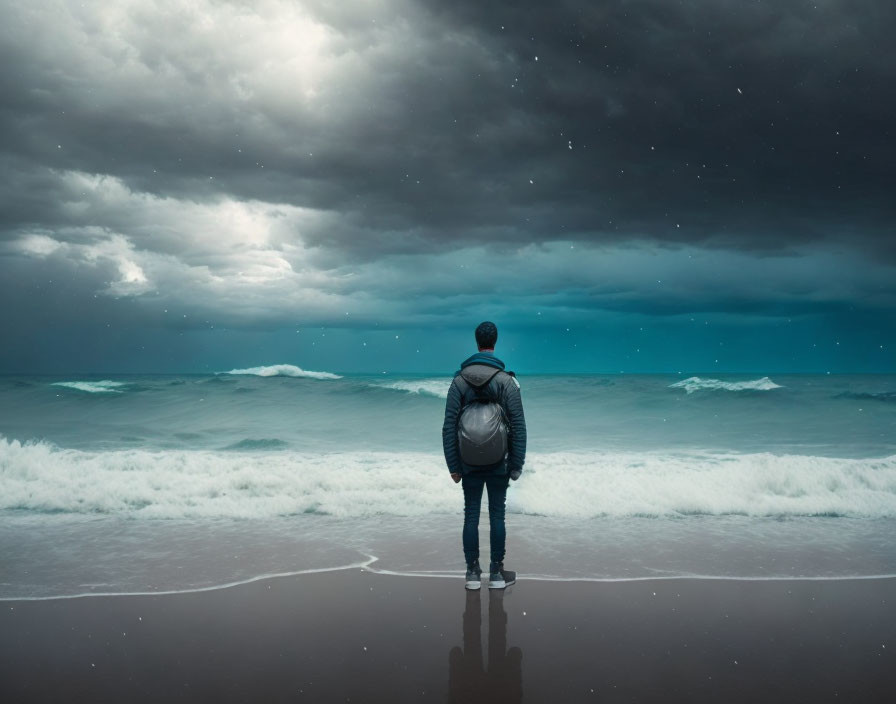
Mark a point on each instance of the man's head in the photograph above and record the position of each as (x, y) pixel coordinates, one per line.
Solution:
(486, 336)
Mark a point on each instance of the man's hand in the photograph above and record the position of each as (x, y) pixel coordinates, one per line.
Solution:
(515, 474)
(455, 476)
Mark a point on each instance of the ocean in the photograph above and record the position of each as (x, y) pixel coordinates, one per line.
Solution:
(153, 483)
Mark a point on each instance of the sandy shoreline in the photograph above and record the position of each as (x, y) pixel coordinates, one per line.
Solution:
(353, 635)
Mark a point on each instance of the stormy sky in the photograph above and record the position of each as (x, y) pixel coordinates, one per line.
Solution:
(643, 185)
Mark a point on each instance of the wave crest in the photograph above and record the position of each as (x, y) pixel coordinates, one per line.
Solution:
(282, 370)
(695, 383)
(93, 387)
(423, 387)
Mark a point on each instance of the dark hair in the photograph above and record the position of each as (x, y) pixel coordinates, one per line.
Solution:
(486, 335)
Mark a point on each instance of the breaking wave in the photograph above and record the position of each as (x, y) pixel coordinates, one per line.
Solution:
(282, 370)
(424, 387)
(93, 387)
(695, 383)
(175, 484)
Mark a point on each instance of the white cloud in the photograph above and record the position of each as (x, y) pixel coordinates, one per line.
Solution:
(274, 65)
(242, 259)
(101, 248)
(37, 245)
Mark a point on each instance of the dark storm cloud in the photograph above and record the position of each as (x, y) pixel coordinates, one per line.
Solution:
(421, 127)
(173, 169)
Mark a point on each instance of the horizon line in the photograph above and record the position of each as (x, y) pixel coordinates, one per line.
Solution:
(446, 374)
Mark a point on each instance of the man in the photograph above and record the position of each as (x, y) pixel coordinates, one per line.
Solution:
(483, 375)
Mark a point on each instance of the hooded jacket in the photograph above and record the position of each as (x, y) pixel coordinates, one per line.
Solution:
(503, 386)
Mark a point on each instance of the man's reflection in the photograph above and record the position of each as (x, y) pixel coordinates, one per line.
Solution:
(467, 680)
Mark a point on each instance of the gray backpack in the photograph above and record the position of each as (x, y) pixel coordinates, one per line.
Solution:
(482, 428)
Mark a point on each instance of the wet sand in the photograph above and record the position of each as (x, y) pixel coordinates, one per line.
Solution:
(358, 636)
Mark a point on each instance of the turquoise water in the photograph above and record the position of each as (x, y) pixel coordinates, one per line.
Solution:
(842, 416)
(793, 475)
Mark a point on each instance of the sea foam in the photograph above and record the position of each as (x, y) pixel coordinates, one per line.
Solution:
(695, 383)
(199, 483)
(423, 387)
(94, 387)
(282, 370)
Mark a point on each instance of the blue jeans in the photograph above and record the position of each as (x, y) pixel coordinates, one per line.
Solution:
(497, 493)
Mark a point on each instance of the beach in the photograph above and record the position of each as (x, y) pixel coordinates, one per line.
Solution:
(355, 635)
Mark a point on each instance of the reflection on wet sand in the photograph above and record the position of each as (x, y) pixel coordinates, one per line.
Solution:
(502, 680)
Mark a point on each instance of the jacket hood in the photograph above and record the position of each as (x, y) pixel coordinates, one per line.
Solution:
(478, 374)
(479, 368)
(483, 358)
